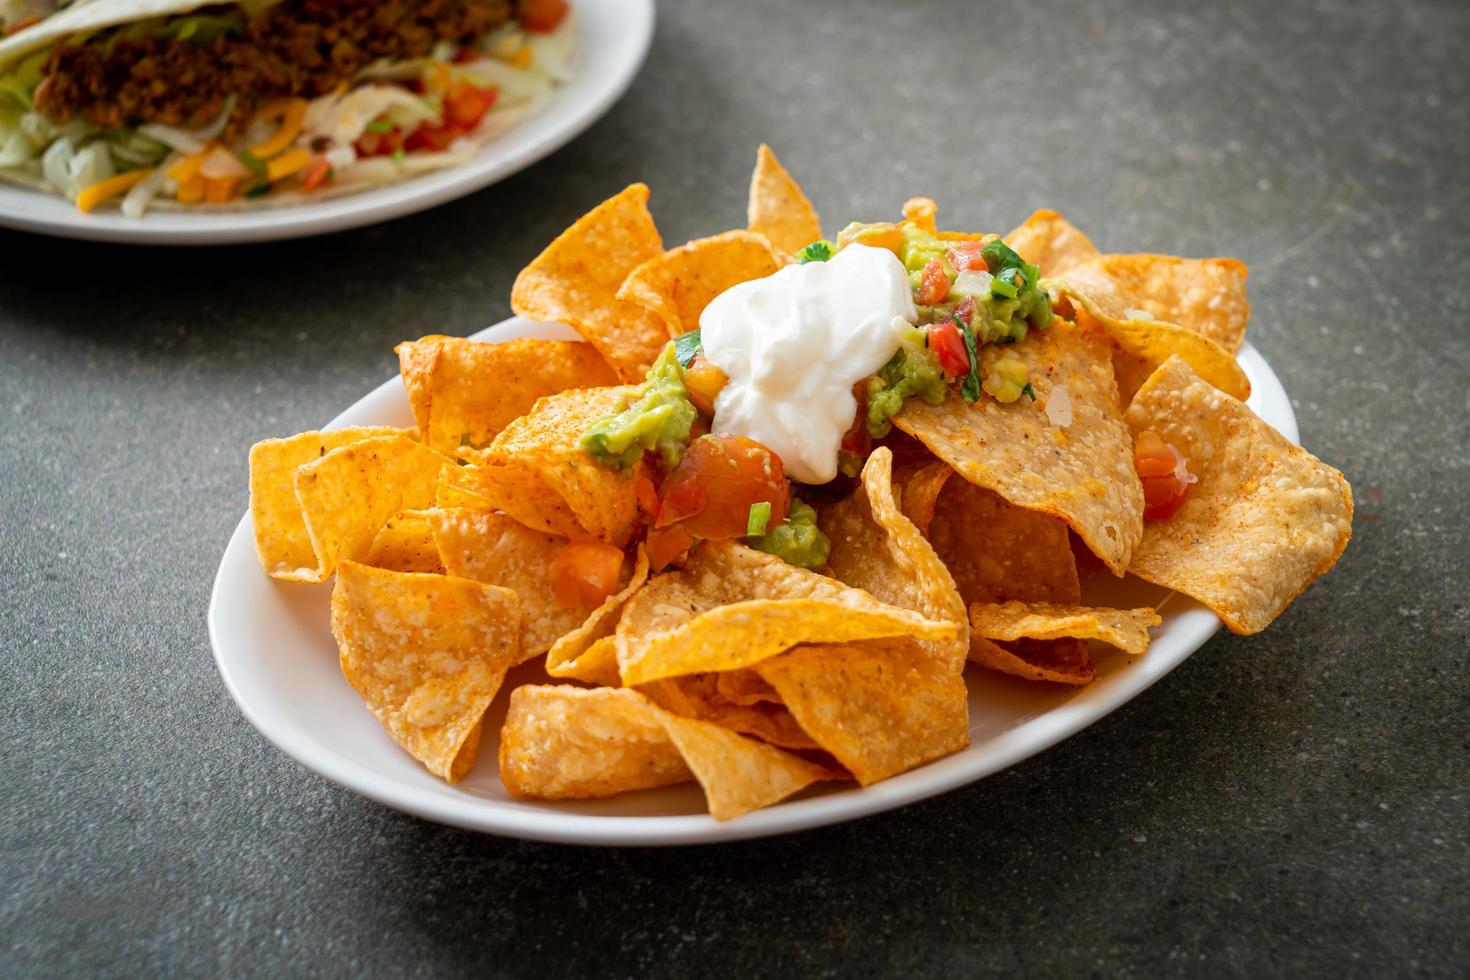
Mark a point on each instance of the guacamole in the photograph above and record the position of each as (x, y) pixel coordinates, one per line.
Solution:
(912, 371)
(1005, 291)
(797, 542)
(658, 419)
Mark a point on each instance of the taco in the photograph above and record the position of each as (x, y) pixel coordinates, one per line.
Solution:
(179, 103)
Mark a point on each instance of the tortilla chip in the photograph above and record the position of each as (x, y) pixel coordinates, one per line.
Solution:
(497, 550)
(879, 707)
(1126, 629)
(778, 208)
(458, 486)
(733, 606)
(577, 743)
(351, 492)
(1154, 342)
(1060, 661)
(920, 492)
(281, 539)
(877, 549)
(677, 285)
(405, 544)
(698, 696)
(1082, 473)
(745, 687)
(537, 472)
(465, 391)
(576, 279)
(1266, 519)
(427, 653)
(1050, 242)
(1207, 296)
(589, 653)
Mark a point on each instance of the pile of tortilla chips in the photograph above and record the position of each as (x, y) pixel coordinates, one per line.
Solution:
(965, 539)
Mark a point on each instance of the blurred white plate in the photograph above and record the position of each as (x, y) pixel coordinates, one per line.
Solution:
(613, 38)
(275, 651)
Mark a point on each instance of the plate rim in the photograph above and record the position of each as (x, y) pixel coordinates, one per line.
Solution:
(525, 820)
(46, 214)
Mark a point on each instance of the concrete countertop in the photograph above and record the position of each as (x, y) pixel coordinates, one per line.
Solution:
(1293, 803)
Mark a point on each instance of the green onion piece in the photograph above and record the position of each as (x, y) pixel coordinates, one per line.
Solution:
(686, 346)
(1000, 287)
(255, 163)
(398, 156)
(758, 519)
(379, 126)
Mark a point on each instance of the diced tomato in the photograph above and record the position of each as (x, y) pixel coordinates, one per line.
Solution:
(1165, 475)
(933, 284)
(966, 255)
(375, 144)
(712, 489)
(704, 382)
(949, 347)
(467, 105)
(647, 495)
(542, 15)
(665, 544)
(434, 138)
(316, 173)
(585, 573)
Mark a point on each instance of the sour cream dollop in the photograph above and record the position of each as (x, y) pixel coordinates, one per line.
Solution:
(794, 343)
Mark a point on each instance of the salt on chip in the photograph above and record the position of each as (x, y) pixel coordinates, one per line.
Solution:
(405, 544)
(1126, 629)
(879, 707)
(537, 472)
(732, 606)
(464, 392)
(778, 208)
(1266, 519)
(350, 493)
(589, 652)
(1064, 661)
(576, 279)
(579, 743)
(677, 285)
(1081, 472)
(497, 550)
(281, 539)
(428, 654)
(877, 549)
(1207, 296)
(698, 696)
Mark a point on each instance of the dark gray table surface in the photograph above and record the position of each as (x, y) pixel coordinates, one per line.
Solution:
(1296, 802)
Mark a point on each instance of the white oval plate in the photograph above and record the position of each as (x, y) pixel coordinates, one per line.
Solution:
(276, 654)
(613, 38)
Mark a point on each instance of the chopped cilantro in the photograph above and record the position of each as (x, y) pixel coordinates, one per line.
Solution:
(819, 251)
(1029, 391)
(970, 388)
(686, 346)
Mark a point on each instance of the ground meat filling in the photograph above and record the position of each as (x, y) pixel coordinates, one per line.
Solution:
(297, 48)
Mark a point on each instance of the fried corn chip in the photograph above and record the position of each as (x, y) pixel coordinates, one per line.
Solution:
(537, 472)
(1266, 519)
(698, 696)
(1152, 342)
(576, 279)
(427, 653)
(405, 544)
(1081, 472)
(879, 707)
(877, 549)
(281, 539)
(578, 743)
(465, 391)
(1126, 629)
(497, 550)
(677, 285)
(733, 606)
(458, 486)
(1207, 296)
(1051, 242)
(778, 208)
(745, 687)
(1063, 661)
(350, 493)
(589, 652)
(919, 492)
